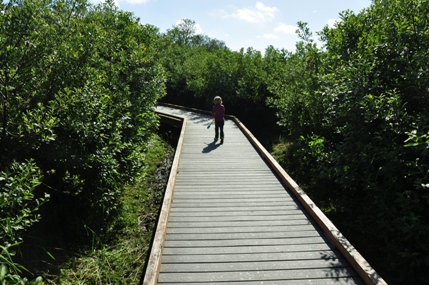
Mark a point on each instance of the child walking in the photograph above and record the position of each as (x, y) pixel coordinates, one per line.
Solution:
(218, 112)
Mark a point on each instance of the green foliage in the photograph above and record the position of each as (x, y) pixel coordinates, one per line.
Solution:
(18, 203)
(118, 256)
(10, 272)
(357, 109)
(88, 109)
(199, 68)
(78, 89)
(194, 64)
(298, 107)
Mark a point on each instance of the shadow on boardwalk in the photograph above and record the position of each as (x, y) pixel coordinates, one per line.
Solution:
(210, 147)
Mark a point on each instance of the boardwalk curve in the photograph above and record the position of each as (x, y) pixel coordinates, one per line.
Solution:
(232, 215)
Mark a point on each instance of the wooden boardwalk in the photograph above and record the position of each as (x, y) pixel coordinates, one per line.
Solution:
(230, 219)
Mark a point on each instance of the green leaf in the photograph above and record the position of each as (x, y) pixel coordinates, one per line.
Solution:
(3, 272)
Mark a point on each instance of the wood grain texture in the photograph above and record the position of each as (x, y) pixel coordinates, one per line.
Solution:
(154, 261)
(235, 219)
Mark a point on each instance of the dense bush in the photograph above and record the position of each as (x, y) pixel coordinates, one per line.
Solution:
(364, 125)
(18, 204)
(78, 89)
(199, 68)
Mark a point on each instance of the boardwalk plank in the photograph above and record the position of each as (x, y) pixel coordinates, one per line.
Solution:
(255, 235)
(244, 242)
(232, 193)
(250, 213)
(254, 224)
(233, 221)
(270, 217)
(324, 281)
(236, 204)
(233, 209)
(227, 199)
(207, 250)
(250, 229)
(308, 273)
(237, 258)
(253, 266)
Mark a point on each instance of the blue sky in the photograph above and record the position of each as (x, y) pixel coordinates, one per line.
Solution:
(243, 23)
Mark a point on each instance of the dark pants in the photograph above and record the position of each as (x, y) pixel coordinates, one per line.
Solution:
(219, 126)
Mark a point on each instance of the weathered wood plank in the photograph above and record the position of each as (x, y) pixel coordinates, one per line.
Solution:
(237, 258)
(271, 212)
(227, 184)
(243, 188)
(236, 175)
(235, 218)
(242, 229)
(235, 193)
(217, 202)
(197, 203)
(154, 260)
(222, 224)
(254, 235)
(310, 273)
(225, 165)
(227, 199)
(233, 221)
(232, 209)
(253, 266)
(206, 250)
(245, 242)
(319, 281)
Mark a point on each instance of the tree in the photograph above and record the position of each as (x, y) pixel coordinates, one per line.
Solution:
(361, 110)
(183, 33)
(294, 82)
(78, 89)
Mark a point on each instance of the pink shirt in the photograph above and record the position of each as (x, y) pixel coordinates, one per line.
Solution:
(218, 111)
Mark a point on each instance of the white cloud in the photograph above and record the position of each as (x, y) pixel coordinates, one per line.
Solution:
(198, 29)
(270, 36)
(332, 22)
(135, 1)
(258, 14)
(117, 2)
(287, 29)
(268, 10)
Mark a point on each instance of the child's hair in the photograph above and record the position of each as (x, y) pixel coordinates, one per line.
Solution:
(217, 100)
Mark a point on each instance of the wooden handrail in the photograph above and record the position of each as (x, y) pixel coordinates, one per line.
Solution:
(358, 262)
(154, 262)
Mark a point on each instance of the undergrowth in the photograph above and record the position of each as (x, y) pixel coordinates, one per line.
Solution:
(300, 165)
(119, 256)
